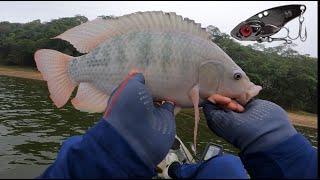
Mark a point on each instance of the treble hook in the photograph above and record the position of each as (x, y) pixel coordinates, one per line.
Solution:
(301, 20)
(305, 32)
(287, 41)
(271, 39)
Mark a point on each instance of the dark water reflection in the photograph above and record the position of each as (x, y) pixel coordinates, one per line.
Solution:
(32, 128)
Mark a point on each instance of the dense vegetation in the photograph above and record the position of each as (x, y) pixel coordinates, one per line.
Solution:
(288, 78)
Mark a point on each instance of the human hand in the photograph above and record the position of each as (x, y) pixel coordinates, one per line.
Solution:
(149, 128)
(226, 103)
(261, 124)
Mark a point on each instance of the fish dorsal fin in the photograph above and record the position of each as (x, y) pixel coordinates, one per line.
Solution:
(89, 35)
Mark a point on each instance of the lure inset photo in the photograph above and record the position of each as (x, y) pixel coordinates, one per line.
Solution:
(269, 22)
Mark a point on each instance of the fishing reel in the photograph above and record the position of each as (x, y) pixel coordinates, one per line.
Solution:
(180, 153)
(264, 24)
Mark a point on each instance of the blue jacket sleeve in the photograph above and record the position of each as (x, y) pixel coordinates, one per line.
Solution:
(293, 158)
(100, 153)
(224, 166)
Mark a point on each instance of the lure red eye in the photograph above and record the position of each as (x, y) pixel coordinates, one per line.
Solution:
(246, 31)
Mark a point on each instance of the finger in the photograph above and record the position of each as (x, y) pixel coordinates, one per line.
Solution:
(208, 105)
(133, 71)
(168, 105)
(135, 76)
(233, 106)
(239, 107)
(219, 99)
(138, 76)
(135, 80)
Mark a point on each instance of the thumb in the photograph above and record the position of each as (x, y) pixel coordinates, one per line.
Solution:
(214, 112)
(133, 77)
(139, 77)
(168, 105)
(208, 105)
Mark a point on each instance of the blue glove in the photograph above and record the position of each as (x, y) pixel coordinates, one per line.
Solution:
(148, 128)
(262, 125)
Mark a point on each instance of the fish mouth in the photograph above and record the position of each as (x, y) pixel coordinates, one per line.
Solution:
(252, 92)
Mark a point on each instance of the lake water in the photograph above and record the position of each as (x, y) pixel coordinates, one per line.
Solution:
(32, 128)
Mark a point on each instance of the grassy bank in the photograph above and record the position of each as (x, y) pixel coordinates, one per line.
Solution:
(299, 118)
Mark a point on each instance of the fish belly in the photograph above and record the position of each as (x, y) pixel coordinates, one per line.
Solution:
(168, 60)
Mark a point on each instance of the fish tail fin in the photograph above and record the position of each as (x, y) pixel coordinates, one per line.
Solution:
(53, 66)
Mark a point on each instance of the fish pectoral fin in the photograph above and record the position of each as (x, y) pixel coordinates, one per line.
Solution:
(90, 99)
(194, 95)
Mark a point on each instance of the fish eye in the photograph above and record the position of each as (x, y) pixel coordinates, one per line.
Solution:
(237, 76)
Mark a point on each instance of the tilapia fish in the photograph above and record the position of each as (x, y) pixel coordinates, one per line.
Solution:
(179, 61)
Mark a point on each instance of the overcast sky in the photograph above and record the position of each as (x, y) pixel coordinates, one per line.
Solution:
(224, 15)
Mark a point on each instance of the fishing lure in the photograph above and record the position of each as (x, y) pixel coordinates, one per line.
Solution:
(264, 24)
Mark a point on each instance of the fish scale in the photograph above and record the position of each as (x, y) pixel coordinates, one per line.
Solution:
(176, 56)
(157, 57)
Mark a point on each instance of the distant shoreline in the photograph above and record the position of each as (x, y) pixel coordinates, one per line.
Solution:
(298, 119)
(29, 73)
